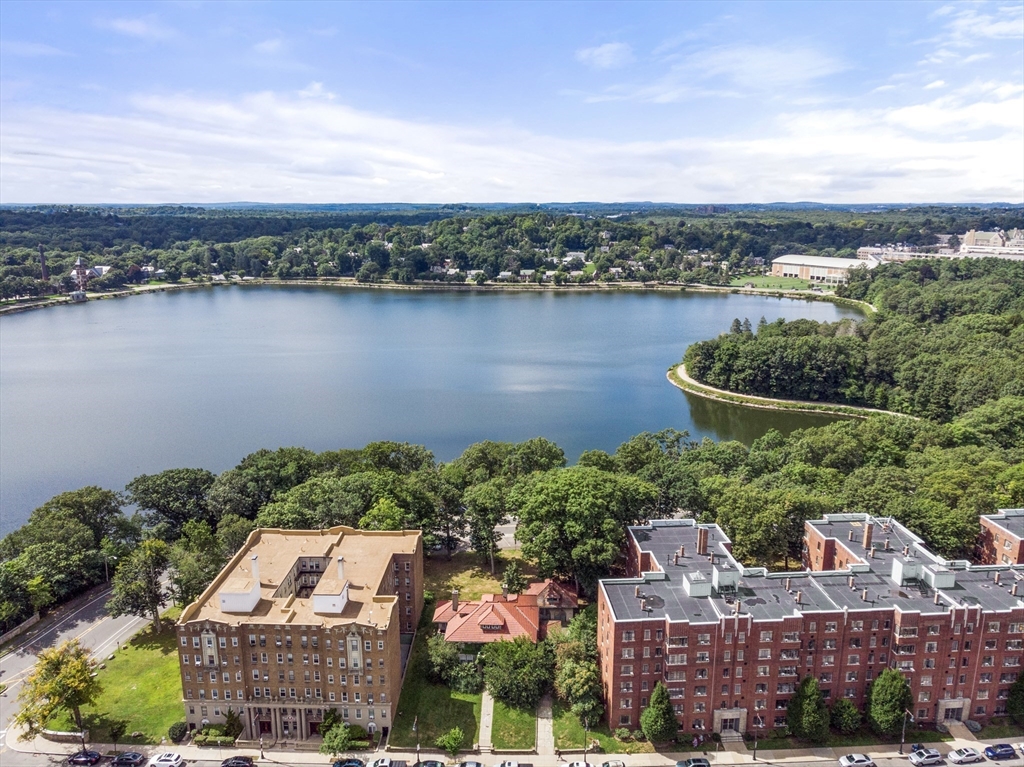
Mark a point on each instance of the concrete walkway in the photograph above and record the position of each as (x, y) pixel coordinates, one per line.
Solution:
(486, 721)
(545, 728)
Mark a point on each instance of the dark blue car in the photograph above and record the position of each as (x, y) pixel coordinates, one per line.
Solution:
(1000, 751)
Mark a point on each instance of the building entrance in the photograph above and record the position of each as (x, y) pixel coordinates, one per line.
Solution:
(953, 714)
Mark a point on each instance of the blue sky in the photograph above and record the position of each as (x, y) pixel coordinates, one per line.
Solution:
(444, 102)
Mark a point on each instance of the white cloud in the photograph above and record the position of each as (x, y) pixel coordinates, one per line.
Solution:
(969, 26)
(607, 56)
(935, 84)
(274, 45)
(965, 145)
(729, 71)
(764, 66)
(27, 49)
(145, 28)
(316, 90)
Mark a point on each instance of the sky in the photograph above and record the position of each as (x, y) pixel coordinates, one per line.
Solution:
(196, 102)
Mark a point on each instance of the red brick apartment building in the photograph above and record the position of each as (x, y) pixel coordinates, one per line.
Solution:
(1002, 538)
(300, 621)
(731, 643)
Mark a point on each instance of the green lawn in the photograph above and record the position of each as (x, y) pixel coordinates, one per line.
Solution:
(569, 734)
(435, 707)
(513, 727)
(783, 283)
(142, 685)
(1002, 729)
(863, 737)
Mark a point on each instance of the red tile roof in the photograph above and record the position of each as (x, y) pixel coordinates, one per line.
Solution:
(496, 617)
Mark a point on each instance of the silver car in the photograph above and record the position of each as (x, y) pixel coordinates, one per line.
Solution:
(856, 760)
(965, 756)
(925, 756)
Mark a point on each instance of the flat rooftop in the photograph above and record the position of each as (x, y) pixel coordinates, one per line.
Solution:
(367, 557)
(897, 571)
(1010, 520)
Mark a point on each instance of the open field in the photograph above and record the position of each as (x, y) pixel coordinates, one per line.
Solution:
(141, 685)
(514, 728)
(767, 281)
(469, 573)
(569, 734)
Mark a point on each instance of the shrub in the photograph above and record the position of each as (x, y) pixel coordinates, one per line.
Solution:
(466, 677)
(356, 732)
(622, 733)
(177, 731)
(845, 716)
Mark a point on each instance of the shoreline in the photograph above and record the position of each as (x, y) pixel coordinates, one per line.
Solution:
(350, 283)
(679, 378)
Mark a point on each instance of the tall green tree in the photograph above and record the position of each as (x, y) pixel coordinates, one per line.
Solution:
(138, 587)
(61, 680)
(195, 560)
(845, 716)
(485, 511)
(658, 720)
(517, 673)
(1015, 700)
(571, 521)
(807, 714)
(513, 581)
(888, 700)
(172, 498)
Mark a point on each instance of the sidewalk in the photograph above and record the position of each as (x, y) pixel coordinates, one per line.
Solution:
(280, 756)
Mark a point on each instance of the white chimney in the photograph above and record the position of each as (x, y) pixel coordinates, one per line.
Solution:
(255, 560)
(341, 568)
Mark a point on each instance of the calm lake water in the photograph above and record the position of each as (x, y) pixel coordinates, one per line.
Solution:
(102, 392)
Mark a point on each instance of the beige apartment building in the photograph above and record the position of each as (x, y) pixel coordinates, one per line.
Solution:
(300, 621)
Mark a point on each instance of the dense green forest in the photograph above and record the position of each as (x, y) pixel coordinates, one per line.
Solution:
(936, 478)
(948, 338)
(409, 243)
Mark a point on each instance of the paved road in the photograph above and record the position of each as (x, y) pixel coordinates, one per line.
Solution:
(86, 620)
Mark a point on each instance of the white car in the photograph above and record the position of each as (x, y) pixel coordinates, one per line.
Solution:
(384, 761)
(507, 764)
(965, 756)
(925, 756)
(856, 760)
(577, 764)
(169, 759)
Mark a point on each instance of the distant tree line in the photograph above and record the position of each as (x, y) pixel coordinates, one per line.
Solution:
(948, 338)
(409, 245)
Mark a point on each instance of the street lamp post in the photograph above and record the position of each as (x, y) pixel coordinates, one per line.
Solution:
(415, 728)
(586, 737)
(106, 566)
(756, 727)
(903, 737)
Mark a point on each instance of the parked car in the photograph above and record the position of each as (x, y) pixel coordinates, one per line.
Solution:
(925, 756)
(237, 761)
(856, 760)
(1001, 751)
(578, 764)
(965, 756)
(697, 761)
(168, 759)
(385, 761)
(429, 763)
(507, 764)
(85, 757)
(465, 764)
(129, 759)
(352, 762)
(614, 763)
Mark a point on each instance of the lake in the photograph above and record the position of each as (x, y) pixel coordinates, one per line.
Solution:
(102, 392)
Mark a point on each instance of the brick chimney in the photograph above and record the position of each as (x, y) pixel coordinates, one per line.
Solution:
(868, 530)
(455, 600)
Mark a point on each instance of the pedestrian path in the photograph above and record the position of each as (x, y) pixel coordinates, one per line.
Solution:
(545, 728)
(486, 721)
